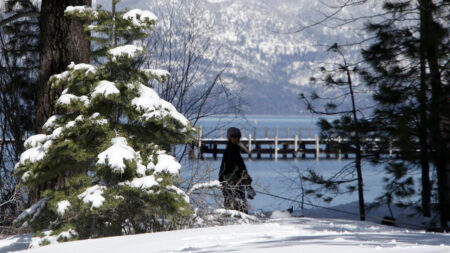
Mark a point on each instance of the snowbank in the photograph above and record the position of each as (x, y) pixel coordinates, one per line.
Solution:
(289, 235)
(280, 215)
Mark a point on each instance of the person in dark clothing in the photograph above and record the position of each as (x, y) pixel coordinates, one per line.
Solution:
(233, 174)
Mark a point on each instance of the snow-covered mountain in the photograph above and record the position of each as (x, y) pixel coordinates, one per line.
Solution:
(269, 63)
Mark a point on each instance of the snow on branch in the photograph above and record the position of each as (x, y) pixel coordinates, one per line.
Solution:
(167, 163)
(212, 184)
(140, 17)
(158, 74)
(52, 122)
(93, 195)
(62, 207)
(172, 111)
(83, 66)
(128, 51)
(81, 11)
(57, 80)
(35, 140)
(105, 88)
(33, 212)
(67, 99)
(179, 192)
(35, 154)
(145, 182)
(116, 154)
(148, 99)
(153, 106)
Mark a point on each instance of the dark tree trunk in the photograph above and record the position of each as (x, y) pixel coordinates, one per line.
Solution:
(423, 127)
(362, 209)
(432, 38)
(63, 40)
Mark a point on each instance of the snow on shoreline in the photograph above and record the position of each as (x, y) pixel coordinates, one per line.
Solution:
(287, 235)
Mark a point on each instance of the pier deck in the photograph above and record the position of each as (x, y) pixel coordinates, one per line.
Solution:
(285, 148)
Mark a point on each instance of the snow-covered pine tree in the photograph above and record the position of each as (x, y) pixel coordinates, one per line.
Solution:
(105, 150)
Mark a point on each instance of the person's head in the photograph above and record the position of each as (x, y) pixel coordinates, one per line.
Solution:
(234, 135)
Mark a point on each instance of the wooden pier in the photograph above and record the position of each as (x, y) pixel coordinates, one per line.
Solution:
(276, 148)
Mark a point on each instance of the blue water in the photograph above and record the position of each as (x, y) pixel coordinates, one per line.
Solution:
(282, 177)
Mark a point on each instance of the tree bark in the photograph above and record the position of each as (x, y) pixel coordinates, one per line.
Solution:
(63, 40)
(423, 126)
(362, 209)
(432, 38)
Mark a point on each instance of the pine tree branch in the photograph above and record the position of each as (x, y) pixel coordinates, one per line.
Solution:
(29, 14)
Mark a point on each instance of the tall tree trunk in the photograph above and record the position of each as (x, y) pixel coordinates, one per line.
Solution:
(63, 40)
(432, 37)
(362, 208)
(362, 211)
(423, 130)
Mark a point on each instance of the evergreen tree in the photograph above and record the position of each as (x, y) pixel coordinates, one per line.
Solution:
(434, 33)
(350, 126)
(104, 151)
(403, 79)
(44, 43)
(398, 82)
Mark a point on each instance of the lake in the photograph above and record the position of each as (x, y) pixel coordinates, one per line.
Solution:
(281, 177)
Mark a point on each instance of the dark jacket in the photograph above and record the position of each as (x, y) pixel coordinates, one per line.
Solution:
(232, 169)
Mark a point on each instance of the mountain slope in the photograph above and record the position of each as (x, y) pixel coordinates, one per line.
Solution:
(269, 64)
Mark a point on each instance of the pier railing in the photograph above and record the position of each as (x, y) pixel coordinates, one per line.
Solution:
(286, 148)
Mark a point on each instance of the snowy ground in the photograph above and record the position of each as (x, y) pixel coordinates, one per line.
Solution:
(273, 235)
